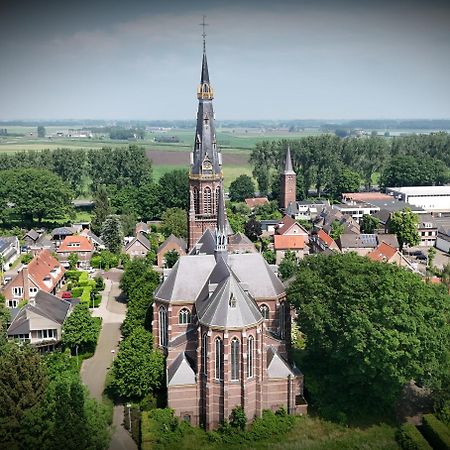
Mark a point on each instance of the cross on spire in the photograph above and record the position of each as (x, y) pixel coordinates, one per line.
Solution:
(204, 24)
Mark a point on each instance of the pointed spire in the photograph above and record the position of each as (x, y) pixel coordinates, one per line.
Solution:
(221, 227)
(205, 73)
(288, 162)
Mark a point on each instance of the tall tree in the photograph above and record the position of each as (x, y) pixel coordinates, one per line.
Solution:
(369, 224)
(102, 209)
(174, 221)
(344, 180)
(370, 328)
(241, 188)
(112, 234)
(404, 225)
(41, 131)
(171, 258)
(253, 229)
(288, 266)
(174, 189)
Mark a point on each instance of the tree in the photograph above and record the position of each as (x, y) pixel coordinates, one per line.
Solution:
(41, 131)
(36, 193)
(431, 255)
(345, 180)
(73, 261)
(370, 328)
(174, 221)
(5, 317)
(253, 229)
(170, 258)
(337, 228)
(241, 188)
(81, 329)
(138, 369)
(174, 190)
(270, 256)
(404, 225)
(112, 234)
(102, 209)
(288, 266)
(23, 382)
(369, 224)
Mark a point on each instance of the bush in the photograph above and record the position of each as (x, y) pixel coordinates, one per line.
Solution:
(436, 432)
(83, 279)
(73, 275)
(77, 291)
(99, 283)
(86, 295)
(409, 438)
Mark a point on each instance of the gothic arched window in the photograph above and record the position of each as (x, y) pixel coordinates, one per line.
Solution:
(207, 201)
(282, 319)
(218, 372)
(235, 359)
(250, 356)
(205, 354)
(184, 316)
(264, 311)
(196, 201)
(163, 326)
(217, 198)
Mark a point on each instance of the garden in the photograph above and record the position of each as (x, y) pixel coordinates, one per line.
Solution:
(86, 289)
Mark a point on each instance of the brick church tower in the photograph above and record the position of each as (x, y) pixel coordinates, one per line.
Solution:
(205, 174)
(288, 183)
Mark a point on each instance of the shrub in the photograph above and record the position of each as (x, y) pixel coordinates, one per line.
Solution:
(99, 283)
(436, 432)
(409, 438)
(86, 295)
(73, 275)
(83, 279)
(77, 291)
(238, 419)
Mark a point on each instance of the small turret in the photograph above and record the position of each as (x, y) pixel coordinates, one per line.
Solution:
(221, 228)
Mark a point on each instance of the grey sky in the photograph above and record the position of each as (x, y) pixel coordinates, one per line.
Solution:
(267, 59)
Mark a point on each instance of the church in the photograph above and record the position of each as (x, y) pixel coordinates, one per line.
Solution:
(221, 315)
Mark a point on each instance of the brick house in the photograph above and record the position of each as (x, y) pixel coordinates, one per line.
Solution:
(44, 272)
(79, 245)
(170, 244)
(389, 254)
(322, 242)
(138, 246)
(290, 235)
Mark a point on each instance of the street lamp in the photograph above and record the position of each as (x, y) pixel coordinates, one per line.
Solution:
(113, 353)
(129, 416)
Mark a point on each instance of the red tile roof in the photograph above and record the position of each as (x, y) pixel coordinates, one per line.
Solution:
(252, 202)
(384, 252)
(326, 238)
(289, 242)
(285, 224)
(365, 196)
(69, 244)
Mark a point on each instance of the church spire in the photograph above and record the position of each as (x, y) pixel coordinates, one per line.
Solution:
(221, 227)
(288, 162)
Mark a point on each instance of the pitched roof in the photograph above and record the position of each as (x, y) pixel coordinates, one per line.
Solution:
(62, 231)
(33, 234)
(6, 242)
(325, 238)
(288, 170)
(289, 242)
(277, 367)
(229, 306)
(142, 226)
(92, 236)
(172, 239)
(383, 252)
(205, 245)
(67, 245)
(180, 372)
(45, 305)
(285, 224)
(140, 238)
(357, 241)
(258, 201)
(390, 239)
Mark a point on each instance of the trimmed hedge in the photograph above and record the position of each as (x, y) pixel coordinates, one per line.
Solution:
(77, 291)
(410, 438)
(72, 275)
(437, 433)
(83, 280)
(86, 295)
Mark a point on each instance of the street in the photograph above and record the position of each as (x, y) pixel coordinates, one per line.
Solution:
(94, 370)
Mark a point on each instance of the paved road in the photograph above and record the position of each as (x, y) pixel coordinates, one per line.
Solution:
(93, 370)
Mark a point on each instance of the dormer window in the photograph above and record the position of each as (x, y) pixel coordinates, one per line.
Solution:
(232, 301)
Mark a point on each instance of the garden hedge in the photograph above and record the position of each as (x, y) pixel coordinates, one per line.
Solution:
(410, 438)
(436, 432)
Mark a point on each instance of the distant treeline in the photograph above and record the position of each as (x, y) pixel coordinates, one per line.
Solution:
(325, 160)
(389, 124)
(118, 133)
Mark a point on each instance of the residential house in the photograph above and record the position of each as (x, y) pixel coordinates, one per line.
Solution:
(289, 235)
(322, 242)
(59, 234)
(386, 253)
(254, 202)
(308, 210)
(142, 227)
(170, 244)
(44, 272)
(9, 250)
(428, 230)
(329, 215)
(31, 237)
(79, 245)
(40, 321)
(240, 243)
(95, 240)
(268, 227)
(361, 244)
(138, 246)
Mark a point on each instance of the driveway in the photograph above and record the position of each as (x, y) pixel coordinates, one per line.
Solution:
(94, 370)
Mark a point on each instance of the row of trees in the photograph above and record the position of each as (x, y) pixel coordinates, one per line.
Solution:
(325, 161)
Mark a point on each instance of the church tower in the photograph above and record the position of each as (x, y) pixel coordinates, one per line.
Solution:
(205, 174)
(288, 183)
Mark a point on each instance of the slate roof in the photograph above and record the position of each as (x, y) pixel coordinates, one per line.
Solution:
(142, 239)
(62, 231)
(357, 241)
(180, 372)
(288, 170)
(285, 224)
(176, 240)
(92, 236)
(45, 305)
(205, 245)
(382, 215)
(390, 239)
(33, 234)
(277, 367)
(229, 306)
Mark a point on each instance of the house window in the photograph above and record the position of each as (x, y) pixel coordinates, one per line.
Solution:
(23, 337)
(33, 291)
(13, 303)
(18, 291)
(205, 354)
(207, 201)
(234, 359)
(46, 334)
(163, 326)
(184, 316)
(264, 311)
(250, 356)
(218, 373)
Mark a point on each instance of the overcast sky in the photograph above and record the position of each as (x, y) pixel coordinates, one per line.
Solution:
(319, 59)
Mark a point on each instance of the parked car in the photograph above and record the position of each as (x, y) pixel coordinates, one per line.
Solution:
(66, 294)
